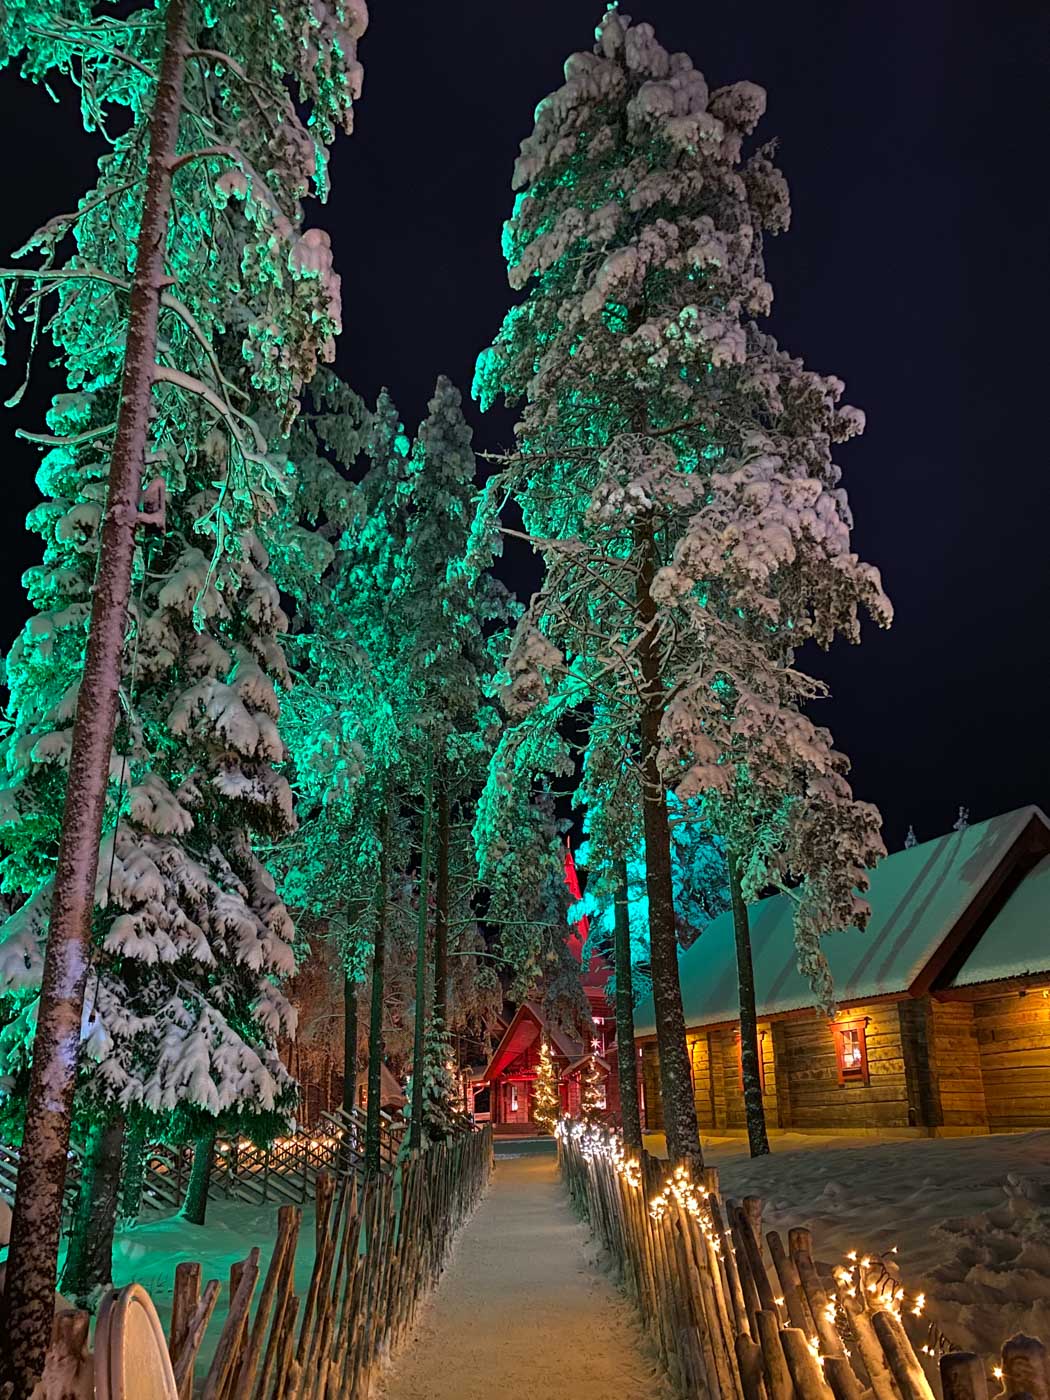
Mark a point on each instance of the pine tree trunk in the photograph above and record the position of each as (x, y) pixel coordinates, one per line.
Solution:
(375, 1024)
(415, 1136)
(754, 1109)
(134, 1167)
(29, 1299)
(195, 1205)
(349, 1043)
(441, 903)
(89, 1262)
(625, 1053)
(676, 1086)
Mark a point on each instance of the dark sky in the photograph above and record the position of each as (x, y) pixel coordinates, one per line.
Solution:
(914, 138)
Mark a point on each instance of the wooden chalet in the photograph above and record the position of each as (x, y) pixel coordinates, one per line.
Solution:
(510, 1075)
(943, 1021)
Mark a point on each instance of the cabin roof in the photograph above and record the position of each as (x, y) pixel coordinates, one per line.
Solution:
(525, 1025)
(391, 1091)
(933, 907)
(1017, 941)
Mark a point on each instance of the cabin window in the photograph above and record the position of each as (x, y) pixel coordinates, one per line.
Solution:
(851, 1049)
(513, 1098)
(761, 1059)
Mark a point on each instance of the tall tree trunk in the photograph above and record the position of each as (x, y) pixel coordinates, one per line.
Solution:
(132, 1173)
(29, 1298)
(415, 1136)
(195, 1206)
(441, 905)
(89, 1263)
(676, 1086)
(754, 1110)
(373, 1123)
(625, 1052)
(349, 1043)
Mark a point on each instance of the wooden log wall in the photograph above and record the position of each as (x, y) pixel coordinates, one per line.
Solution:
(1013, 1038)
(980, 1063)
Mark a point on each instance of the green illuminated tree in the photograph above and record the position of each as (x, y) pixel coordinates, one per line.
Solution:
(349, 711)
(670, 456)
(185, 294)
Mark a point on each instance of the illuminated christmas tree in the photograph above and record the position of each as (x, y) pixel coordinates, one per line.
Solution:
(546, 1101)
(592, 1090)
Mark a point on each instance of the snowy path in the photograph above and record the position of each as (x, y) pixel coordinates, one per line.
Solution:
(522, 1309)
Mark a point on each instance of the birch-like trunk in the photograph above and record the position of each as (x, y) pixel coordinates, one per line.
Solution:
(676, 1084)
(195, 1206)
(415, 1135)
(754, 1109)
(373, 1122)
(89, 1262)
(133, 1171)
(349, 1043)
(625, 1052)
(28, 1303)
(441, 900)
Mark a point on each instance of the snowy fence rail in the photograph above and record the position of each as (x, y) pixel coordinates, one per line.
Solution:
(286, 1170)
(9, 1159)
(380, 1245)
(730, 1320)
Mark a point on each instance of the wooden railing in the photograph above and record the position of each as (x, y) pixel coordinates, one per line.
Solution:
(287, 1170)
(736, 1314)
(9, 1159)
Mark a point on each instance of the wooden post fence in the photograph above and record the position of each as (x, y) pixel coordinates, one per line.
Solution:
(379, 1247)
(733, 1312)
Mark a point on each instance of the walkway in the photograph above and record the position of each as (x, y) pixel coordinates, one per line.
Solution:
(521, 1310)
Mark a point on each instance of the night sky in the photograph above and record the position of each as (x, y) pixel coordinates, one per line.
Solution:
(914, 138)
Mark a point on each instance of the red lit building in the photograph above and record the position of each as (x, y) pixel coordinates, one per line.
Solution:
(510, 1075)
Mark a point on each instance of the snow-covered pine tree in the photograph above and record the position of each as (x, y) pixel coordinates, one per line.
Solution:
(454, 611)
(546, 1101)
(670, 456)
(350, 712)
(168, 371)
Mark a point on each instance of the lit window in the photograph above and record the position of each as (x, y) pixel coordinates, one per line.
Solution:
(761, 1060)
(513, 1098)
(852, 1051)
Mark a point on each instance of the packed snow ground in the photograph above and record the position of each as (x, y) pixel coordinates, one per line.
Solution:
(970, 1217)
(523, 1308)
(149, 1252)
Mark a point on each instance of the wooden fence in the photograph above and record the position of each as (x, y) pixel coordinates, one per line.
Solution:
(733, 1315)
(379, 1247)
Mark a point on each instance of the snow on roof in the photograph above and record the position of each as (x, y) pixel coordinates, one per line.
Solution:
(917, 896)
(1017, 941)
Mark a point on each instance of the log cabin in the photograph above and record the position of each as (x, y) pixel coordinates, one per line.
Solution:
(508, 1080)
(943, 1002)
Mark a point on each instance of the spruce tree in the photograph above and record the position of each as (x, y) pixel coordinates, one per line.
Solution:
(675, 470)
